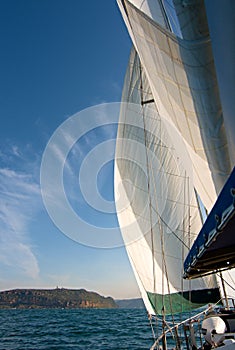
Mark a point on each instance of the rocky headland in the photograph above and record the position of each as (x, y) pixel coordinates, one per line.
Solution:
(53, 298)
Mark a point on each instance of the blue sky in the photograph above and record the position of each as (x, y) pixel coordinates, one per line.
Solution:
(58, 57)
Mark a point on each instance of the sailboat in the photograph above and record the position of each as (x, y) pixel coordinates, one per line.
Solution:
(174, 164)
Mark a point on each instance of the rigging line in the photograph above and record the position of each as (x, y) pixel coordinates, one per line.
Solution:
(184, 322)
(169, 200)
(189, 236)
(171, 231)
(147, 165)
(151, 325)
(162, 240)
(150, 204)
(162, 218)
(231, 277)
(224, 290)
(202, 275)
(228, 284)
(182, 252)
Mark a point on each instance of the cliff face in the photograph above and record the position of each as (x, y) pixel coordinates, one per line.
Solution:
(54, 298)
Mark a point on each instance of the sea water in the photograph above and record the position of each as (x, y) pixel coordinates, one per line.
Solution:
(85, 329)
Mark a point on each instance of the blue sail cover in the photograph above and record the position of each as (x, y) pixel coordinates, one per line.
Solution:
(214, 248)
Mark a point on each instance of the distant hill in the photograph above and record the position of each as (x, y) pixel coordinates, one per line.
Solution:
(130, 303)
(54, 298)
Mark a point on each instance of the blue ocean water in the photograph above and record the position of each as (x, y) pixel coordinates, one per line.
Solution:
(85, 329)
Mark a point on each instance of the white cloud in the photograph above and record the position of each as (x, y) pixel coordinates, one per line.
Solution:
(15, 151)
(19, 202)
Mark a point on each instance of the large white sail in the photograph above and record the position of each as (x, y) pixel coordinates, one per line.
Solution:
(155, 199)
(182, 78)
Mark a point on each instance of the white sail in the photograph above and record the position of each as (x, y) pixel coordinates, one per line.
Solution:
(155, 199)
(182, 79)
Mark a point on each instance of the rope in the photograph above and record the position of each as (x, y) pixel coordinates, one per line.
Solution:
(228, 284)
(151, 325)
(164, 265)
(190, 319)
(147, 165)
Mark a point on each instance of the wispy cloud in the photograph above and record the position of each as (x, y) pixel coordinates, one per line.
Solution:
(19, 202)
(15, 151)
